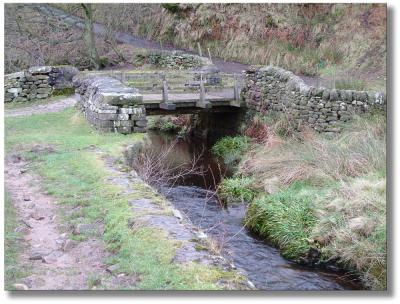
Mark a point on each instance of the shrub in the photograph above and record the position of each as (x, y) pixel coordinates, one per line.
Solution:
(258, 130)
(168, 126)
(172, 8)
(103, 61)
(231, 148)
(232, 190)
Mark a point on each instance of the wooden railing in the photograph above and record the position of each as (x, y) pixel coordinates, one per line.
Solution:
(177, 81)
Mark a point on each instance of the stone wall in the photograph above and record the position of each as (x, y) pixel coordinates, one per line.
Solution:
(110, 106)
(173, 59)
(277, 90)
(37, 82)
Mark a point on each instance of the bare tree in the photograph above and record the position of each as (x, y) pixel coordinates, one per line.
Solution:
(90, 36)
(34, 35)
(156, 168)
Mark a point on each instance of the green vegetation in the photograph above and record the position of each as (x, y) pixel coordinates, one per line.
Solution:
(63, 92)
(179, 124)
(230, 149)
(74, 174)
(13, 271)
(317, 193)
(237, 189)
(286, 218)
(168, 126)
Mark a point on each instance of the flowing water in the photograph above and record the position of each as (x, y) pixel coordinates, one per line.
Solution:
(261, 262)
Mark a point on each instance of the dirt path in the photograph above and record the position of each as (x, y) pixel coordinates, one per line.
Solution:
(54, 261)
(42, 108)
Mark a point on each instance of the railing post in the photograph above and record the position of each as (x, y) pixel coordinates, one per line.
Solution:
(166, 105)
(123, 77)
(202, 90)
(199, 47)
(235, 88)
(236, 92)
(203, 103)
(165, 91)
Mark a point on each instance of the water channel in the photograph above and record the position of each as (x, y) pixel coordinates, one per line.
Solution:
(262, 263)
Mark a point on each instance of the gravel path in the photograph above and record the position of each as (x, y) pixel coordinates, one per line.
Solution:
(56, 106)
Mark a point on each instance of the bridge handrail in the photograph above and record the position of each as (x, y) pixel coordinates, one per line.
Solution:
(167, 81)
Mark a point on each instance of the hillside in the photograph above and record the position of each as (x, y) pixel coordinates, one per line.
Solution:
(345, 41)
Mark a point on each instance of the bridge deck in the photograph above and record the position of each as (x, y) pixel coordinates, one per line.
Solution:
(218, 96)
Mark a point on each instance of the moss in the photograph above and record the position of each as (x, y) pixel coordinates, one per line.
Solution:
(63, 92)
(200, 247)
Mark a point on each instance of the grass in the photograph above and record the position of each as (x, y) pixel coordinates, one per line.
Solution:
(76, 177)
(13, 270)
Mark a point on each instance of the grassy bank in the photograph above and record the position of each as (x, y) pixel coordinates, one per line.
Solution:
(62, 149)
(315, 194)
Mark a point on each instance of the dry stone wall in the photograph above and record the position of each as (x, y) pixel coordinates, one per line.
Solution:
(277, 90)
(37, 82)
(110, 106)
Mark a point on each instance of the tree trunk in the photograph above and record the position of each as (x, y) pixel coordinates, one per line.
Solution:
(89, 36)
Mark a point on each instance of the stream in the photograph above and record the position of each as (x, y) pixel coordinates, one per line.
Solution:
(260, 261)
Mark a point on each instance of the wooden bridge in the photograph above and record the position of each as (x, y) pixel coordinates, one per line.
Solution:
(183, 92)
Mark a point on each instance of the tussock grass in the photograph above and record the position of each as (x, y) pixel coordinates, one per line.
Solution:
(285, 218)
